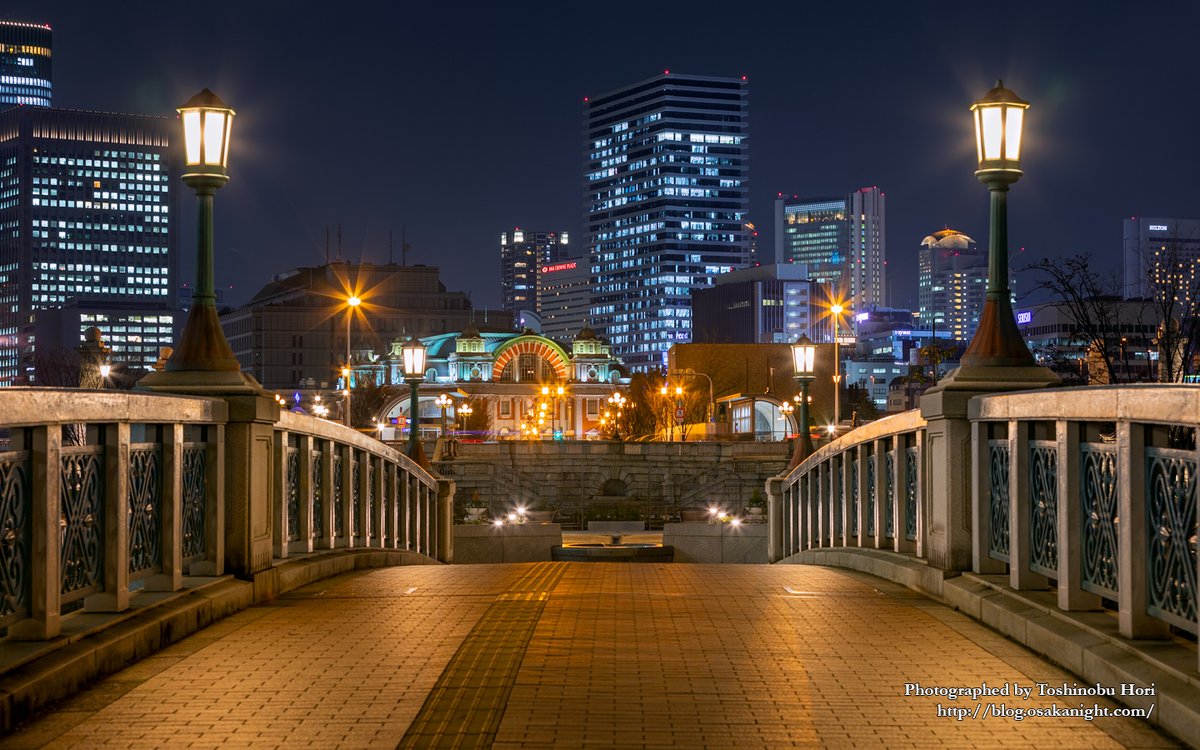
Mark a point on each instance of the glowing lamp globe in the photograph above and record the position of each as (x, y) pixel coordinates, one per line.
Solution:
(999, 118)
(206, 126)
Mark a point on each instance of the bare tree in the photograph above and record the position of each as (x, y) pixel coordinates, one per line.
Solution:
(1091, 300)
(1173, 276)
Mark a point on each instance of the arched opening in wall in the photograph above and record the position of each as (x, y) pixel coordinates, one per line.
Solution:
(528, 368)
(614, 488)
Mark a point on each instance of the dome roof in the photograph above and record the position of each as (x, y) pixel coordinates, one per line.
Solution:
(948, 239)
(470, 332)
(586, 334)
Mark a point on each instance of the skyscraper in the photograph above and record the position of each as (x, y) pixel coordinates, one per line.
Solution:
(24, 64)
(1153, 247)
(666, 202)
(952, 275)
(842, 240)
(564, 298)
(86, 226)
(522, 253)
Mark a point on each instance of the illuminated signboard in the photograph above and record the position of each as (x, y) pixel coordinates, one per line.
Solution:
(1024, 318)
(558, 267)
(861, 317)
(1157, 227)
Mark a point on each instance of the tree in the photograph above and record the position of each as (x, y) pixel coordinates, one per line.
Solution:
(368, 399)
(1092, 301)
(1173, 276)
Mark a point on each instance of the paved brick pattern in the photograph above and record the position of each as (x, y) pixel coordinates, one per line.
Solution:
(619, 655)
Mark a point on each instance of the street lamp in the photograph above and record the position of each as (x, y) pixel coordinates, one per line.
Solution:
(413, 352)
(999, 118)
(464, 412)
(444, 402)
(836, 309)
(804, 360)
(105, 370)
(206, 127)
(352, 303)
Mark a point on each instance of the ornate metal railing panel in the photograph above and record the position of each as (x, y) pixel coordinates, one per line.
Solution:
(81, 525)
(871, 499)
(318, 494)
(889, 483)
(339, 500)
(144, 477)
(195, 501)
(1098, 530)
(854, 498)
(369, 524)
(998, 499)
(910, 493)
(355, 492)
(1043, 507)
(1171, 535)
(839, 497)
(293, 494)
(16, 497)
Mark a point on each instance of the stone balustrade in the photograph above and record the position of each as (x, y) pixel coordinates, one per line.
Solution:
(108, 494)
(1092, 489)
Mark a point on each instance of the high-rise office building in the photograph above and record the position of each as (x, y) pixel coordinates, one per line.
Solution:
(759, 305)
(666, 202)
(86, 224)
(24, 64)
(1161, 257)
(522, 253)
(842, 241)
(952, 276)
(564, 298)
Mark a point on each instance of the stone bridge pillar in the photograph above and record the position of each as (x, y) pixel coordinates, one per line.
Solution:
(774, 488)
(250, 483)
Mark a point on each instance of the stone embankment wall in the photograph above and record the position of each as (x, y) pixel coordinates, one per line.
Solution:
(571, 476)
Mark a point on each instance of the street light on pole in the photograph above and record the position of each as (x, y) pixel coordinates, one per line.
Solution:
(804, 359)
(352, 303)
(464, 413)
(413, 352)
(836, 309)
(444, 402)
(207, 122)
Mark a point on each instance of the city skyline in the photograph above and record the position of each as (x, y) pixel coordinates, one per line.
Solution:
(398, 97)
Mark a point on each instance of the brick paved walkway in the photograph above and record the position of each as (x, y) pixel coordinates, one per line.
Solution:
(577, 655)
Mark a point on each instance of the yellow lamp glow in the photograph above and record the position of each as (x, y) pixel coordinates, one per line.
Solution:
(804, 356)
(999, 120)
(206, 125)
(414, 359)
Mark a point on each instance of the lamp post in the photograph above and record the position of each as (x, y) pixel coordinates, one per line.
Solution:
(999, 118)
(464, 413)
(785, 413)
(352, 303)
(670, 427)
(836, 309)
(413, 352)
(206, 127)
(804, 359)
(443, 401)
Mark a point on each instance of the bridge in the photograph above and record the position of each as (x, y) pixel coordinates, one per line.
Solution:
(214, 569)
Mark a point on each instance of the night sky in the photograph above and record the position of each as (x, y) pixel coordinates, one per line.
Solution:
(462, 121)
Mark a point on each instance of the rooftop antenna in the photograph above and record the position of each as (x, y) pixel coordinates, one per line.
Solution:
(326, 244)
(404, 247)
(340, 258)
(389, 247)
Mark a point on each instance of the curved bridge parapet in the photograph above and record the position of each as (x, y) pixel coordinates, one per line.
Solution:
(1088, 492)
(105, 495)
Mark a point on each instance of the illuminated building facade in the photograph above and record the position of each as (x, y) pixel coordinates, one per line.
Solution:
(666, 202)
(952, 276)
(522, 253)
(841, 239)
(292, 333)
(564, 297)
(1152, 248)
(24, 64)
(87, 207)
(759, 305)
